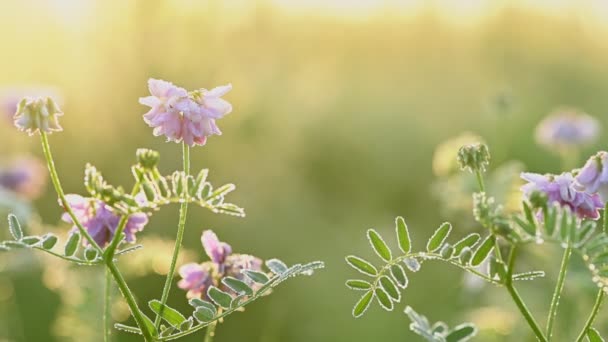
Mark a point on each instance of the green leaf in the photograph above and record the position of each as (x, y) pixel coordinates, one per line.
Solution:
(461, 333)
(90, 253)
(403, 235)
(551, 219)
(439, 237)
(219, 297)
(126, 328)
(390, 288)
(236, 301)
(483, 251)
(200, 181)
(530, 218)
(379, 245)
(383, 299)
(203, 314)
(468, 241)
(465, 256)
(276, 266)
(237, 286)
(361, 265)
(446, 251)
(594, 336)
(164, 331)
(196, 303)
(529, 229)
(186, 325)
(14, 244)
(399, 275)
(72, 245)
(356, 284)
(150, 325)
(31, 240)
(49, 241)
(169, 314)
(586, 231)
(15, 227)
(363, 304)
(222, 191)
(256, 276)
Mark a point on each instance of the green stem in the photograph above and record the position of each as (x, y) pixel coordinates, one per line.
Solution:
(210, 333)
(126, 292)
(596, 308)
(518, 300)
(107, 307)
(183, 211)
(561, 278)
(46, 148)
(482, 187)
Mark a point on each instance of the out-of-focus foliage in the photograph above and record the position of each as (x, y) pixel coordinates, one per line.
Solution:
(337, 114)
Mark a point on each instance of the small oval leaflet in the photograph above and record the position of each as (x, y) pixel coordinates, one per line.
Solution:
(30, 240)
(390, 288)
(468, 241)
(403, 235)
(186, 325)
(196, 302)
(276, 266)
(256, 276)
(461, 333)
(170, 315)
(72, 245)
(356, 284)
(383, 299)
(219, 297)
(363, 304)
(15, 227)
(439, 237)
(90, 253)
(237, 286)
(399, 275)
(483, 251)
(379, 245)
(49, 241)
(361, 265)
(203, 314)
(550, 219)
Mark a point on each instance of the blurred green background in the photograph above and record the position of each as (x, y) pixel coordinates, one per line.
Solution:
(338, 107)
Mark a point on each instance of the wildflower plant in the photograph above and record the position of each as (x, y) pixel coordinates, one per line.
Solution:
(108, 220)
(564, 209)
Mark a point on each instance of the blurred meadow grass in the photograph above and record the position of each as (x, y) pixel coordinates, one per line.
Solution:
(338, 110)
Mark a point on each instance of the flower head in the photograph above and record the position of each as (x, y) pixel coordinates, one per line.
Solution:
(560, 189)
(38, 114)
(183, 116)
(25, 177)
(593, 177)
(474, 157)
(444, 163)
(101, 221)
(566, 129)
(196, 278)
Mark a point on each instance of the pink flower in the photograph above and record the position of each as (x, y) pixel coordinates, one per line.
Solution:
(593, 177)
(196, 279)
(101, 221)
(215, 249)
(183, 116)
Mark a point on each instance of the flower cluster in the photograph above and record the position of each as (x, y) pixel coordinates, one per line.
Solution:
(185, 116)
(566, 129)
(474, 157)
(101, 221)
(561, 189)
(197, 278)
(38, 114)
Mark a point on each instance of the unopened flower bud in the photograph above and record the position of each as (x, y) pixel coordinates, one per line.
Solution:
(148, 159)
(474, 157)
(38, 114)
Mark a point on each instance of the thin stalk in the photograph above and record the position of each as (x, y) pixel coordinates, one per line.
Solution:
(518, 300)
(126, 292)
(210, 332)
(107, 307)
(596, 308)
(183, 211)
(46, 149)
(479, 176)
(561, 278)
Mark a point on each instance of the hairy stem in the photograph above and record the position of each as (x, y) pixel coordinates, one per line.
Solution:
(596, 308)
(46, 149)
(126, 292)
(561, 278)
(518, 300)
(210, 333)
(183, 211)
(479, 176)
(107, 307)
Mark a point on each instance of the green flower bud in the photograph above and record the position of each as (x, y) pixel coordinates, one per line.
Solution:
(148, 159)
(38, 114)
(474, 157)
